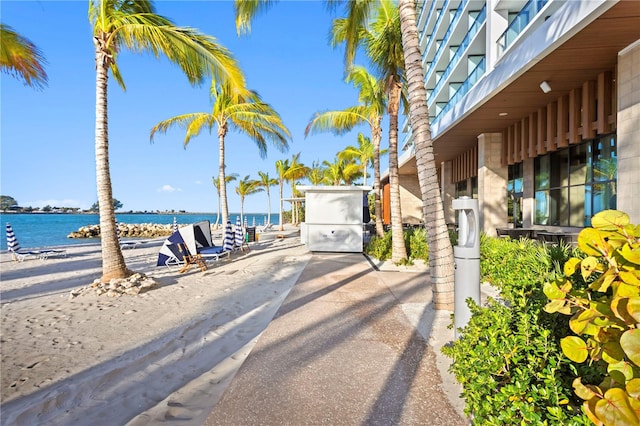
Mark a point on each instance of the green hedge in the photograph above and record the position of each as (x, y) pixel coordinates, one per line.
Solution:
(508, 358)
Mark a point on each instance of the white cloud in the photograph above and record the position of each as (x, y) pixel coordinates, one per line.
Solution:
(198, 182)
(168, 188)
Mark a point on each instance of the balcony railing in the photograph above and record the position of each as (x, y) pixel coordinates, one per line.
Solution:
(445, 39)
(468, 38)
(473, 78)
(430, 12)
(435, 27)
(519, 23)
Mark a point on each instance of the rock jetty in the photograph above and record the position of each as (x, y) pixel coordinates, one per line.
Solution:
(127, 230)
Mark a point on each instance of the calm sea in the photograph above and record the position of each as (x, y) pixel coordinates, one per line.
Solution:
(44, 229)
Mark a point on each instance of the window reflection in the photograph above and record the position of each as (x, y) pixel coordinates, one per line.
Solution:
(573, 184)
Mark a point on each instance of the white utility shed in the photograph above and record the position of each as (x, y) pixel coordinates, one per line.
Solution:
(333, 218)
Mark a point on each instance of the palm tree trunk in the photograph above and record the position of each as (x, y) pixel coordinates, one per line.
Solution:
(281, 226)
(398, 249)
(268, 205)
(377, 136)
(223, 181)
(113, 264)
(440, 253)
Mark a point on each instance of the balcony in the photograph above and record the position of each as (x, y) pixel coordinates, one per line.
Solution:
(455, 59)
(473, 78)
(519, 23)
(445, 39)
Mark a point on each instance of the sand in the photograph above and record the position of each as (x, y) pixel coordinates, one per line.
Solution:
(164, 356)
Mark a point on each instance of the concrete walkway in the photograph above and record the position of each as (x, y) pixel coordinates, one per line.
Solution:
(351, 345)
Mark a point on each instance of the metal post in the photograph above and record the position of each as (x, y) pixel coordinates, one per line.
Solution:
(466, 255)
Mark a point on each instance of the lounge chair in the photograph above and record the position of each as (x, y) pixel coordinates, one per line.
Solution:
(20, 254)
(191, 259)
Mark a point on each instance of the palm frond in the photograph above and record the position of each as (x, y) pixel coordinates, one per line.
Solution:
(247, 10)
(193, 123)
(21, 58)
(337, 122)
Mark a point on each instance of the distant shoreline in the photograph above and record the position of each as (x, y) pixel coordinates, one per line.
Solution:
(82, 212)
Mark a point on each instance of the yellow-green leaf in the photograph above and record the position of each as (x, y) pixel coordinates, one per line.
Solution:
(630, 343)
(624, 368)
(626, 290)
(620, 307)
(633, 388)
(612, 352)
(629, 278)
(585, 392)
(615, 409)
(582, 319)
(570, 266)
(633, 308)
(558, 305)
(631, 254)
(592, 242)
(587, 266)
(552, 291)
(574, 348)
(610, 220)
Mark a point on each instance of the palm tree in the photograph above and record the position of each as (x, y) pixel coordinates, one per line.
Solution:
(341, 171)
(372, 105)
(295, 171)
(21, 58)
(316, 174)
(216, 185)
(266, 182)
(247, 114)
(363, 153)
(245, 187)
(281, 168)
(440, 252)
(134, 25)
(382, 41)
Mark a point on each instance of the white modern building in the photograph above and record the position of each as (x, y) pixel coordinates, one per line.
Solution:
(535, 110)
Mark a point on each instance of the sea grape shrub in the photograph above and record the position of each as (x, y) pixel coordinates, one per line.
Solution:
(604, 317)
(508, 357)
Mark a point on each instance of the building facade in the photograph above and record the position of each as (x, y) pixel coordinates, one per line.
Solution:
(534, 109)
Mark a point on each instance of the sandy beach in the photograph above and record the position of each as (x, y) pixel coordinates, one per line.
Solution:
(163, 356)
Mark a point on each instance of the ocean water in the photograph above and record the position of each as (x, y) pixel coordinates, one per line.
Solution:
(49, 229)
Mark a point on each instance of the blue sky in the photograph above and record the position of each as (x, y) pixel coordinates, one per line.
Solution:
(47, 136)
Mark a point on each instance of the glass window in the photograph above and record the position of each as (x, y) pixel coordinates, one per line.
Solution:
(573, 184)
(514, 194)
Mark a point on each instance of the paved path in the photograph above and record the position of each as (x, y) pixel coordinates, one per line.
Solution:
(349, 346)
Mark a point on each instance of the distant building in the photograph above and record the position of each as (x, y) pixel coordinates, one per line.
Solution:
(535, 110)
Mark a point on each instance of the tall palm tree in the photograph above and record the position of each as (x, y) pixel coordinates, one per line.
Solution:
(371, 107)
(245, 113)
(21, 58)
(216, 185)
(134, 25)
(245, 187)
(296, 170)
(266, 182)
(440, 252)
(281, 168)
(382, 41)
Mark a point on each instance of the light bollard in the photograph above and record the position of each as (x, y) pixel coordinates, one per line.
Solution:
(466, 256)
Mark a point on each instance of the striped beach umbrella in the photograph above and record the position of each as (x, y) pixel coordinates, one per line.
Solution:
(254, 222)
(246, 223)
(227, 244)
(239, 234)
(264, 222)
(12, 241)
(175, 224)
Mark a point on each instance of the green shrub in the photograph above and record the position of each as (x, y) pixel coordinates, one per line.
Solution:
(605, 317)
(508, 357)
(415, 241)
